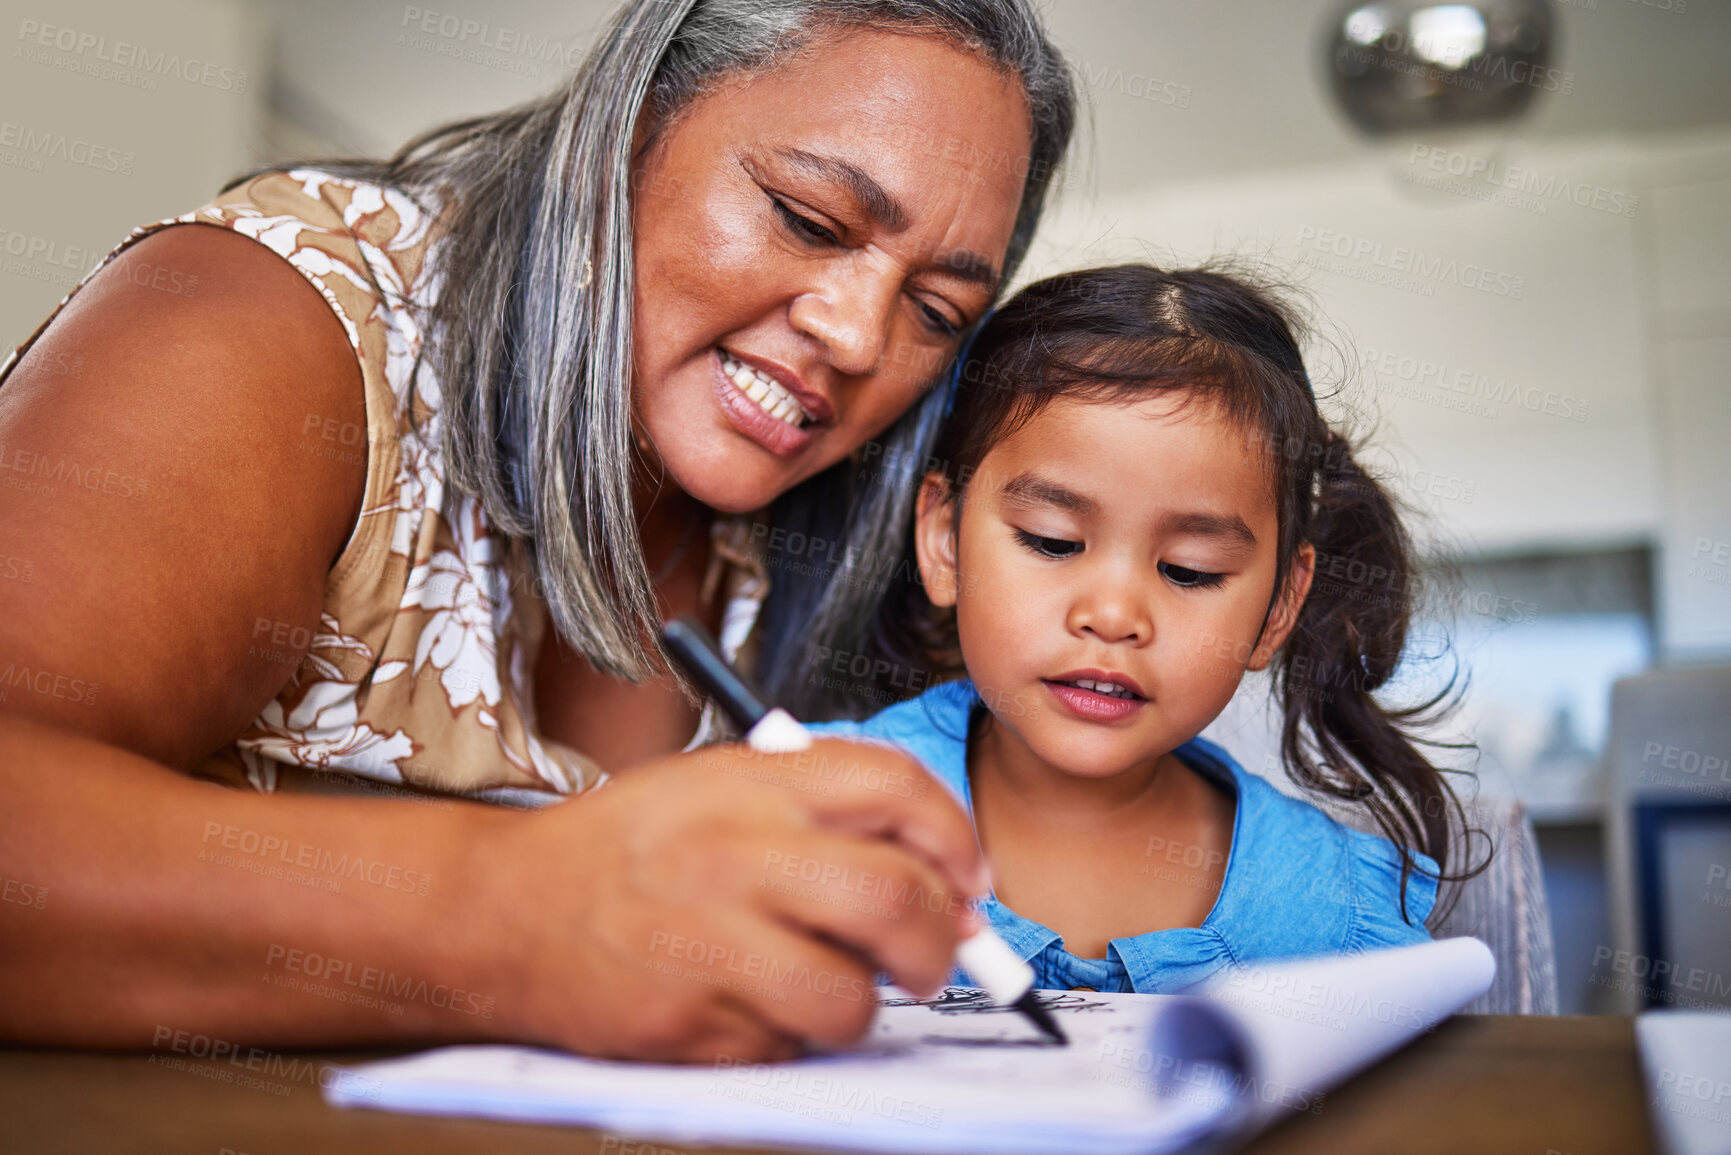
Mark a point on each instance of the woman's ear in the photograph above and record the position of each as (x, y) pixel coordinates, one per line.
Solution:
(935, 539)
(1285, 614)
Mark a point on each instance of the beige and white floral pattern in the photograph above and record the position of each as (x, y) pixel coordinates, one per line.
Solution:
(419, 672)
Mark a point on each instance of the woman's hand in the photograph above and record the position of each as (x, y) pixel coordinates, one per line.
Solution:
(726, 902)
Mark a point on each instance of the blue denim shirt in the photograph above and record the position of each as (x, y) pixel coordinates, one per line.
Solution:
(1297, 882)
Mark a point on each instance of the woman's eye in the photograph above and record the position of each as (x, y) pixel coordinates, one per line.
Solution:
(1048, 546)
(802, 224)
(937, 322)
(1189, 578)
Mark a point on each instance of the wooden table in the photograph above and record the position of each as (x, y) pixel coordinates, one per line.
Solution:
(1480, 1085)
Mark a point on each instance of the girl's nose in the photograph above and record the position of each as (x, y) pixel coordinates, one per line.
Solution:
(1114, 608)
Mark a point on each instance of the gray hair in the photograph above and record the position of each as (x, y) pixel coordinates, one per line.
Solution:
(533, 322)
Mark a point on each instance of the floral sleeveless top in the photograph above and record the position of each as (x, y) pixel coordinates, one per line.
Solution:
(419, 672)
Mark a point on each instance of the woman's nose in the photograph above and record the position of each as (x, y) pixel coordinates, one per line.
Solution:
(849, 314)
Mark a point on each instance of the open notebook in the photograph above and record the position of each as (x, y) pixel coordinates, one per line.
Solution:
(957, 1073)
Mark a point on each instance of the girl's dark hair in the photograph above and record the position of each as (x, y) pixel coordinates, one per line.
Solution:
(1127, 332)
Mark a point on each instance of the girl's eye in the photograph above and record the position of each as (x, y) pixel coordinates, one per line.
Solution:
(937, 322)
(802, 224)
(1190, 578)
(1048, 546)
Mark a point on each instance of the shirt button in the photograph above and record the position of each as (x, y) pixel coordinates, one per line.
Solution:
(1081, 988)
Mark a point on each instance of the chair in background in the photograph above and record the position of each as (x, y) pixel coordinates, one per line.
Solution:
(1668, 841)
(1504, 906)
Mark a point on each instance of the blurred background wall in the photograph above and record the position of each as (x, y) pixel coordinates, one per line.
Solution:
(1542, 362)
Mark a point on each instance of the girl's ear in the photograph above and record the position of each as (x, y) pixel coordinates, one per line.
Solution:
(935, 539)
(1285, 614)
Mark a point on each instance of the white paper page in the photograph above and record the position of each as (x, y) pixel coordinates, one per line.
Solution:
(1304, 1026)
(1687, 1059)
(953, 1074)
(1142, 1073)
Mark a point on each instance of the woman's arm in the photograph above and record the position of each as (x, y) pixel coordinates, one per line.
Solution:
(155, 487)
(169, 905)
(174, 905)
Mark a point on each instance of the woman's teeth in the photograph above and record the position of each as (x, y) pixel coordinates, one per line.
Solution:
(1110, 689)
(767, 392)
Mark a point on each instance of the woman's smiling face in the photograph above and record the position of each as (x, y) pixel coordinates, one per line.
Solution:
(808, 244)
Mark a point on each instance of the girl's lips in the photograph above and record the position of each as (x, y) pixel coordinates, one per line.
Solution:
(1094, 707)
(748, 417)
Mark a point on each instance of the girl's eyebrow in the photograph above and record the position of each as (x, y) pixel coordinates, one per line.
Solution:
(1224, 525)
(1028, 489)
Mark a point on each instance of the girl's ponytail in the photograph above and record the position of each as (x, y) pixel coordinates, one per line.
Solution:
(1337, 738)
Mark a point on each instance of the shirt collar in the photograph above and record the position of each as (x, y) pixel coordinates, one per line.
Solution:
(949, 706)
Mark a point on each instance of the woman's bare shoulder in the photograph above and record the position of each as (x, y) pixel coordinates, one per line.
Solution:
(157, 489)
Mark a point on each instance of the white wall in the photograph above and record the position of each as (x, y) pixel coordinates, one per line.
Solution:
(113, 114)
(1689, 322)
(1580, 402)
(1626, 313)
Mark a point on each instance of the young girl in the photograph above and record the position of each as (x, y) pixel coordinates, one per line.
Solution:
(1136, 496)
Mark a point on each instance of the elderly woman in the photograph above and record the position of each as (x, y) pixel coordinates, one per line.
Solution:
(383, 478)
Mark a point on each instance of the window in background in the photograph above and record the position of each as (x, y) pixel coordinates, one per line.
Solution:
(1540, 639)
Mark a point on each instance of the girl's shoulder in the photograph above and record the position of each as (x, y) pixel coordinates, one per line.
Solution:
(932, 727)
(1299, 881)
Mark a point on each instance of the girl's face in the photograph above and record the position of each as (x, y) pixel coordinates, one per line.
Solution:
(808, 245)
(1131, 546)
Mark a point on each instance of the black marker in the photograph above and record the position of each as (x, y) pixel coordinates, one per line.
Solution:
(772, 730)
